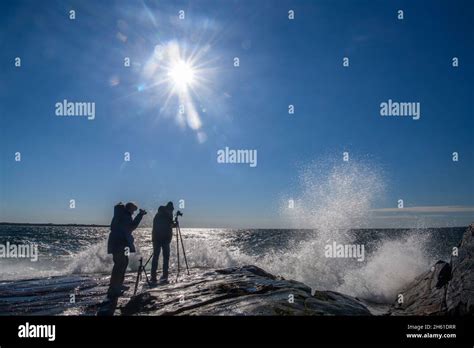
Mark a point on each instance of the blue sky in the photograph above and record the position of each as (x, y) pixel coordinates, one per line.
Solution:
(282, 62)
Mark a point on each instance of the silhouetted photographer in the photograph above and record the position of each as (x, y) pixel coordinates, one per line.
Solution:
(162, 235)
(121, 244)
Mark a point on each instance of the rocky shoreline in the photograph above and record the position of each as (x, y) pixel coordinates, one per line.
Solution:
(446, 289)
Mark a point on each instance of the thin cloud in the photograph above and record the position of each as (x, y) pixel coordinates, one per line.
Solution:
(428, 209)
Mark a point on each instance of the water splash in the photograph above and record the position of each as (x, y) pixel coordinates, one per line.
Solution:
(334, 200)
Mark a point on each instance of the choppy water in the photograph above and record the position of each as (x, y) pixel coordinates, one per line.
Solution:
(392, 257)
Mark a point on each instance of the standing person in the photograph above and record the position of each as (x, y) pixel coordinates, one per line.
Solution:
(161, 236)
(120, 244)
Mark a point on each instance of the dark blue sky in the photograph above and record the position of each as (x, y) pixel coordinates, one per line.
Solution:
(282, 62)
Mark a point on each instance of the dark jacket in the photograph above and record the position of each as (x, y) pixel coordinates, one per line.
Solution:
(163, 225)
(121, 229)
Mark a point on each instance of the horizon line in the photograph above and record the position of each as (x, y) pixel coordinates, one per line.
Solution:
(236, 228)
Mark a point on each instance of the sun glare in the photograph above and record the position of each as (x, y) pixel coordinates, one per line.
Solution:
(182, 75)
(180, 81)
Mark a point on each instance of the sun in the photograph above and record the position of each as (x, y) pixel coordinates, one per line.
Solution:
(182, 75)
(178, 78)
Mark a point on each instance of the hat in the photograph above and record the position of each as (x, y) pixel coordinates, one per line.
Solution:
(131, 205)
(170, 205)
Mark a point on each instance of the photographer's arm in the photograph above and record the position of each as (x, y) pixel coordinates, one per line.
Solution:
(131, 225)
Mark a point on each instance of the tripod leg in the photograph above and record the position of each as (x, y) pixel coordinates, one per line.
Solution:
(146, 276)
(182, 245)
(177, 251)
(144, 269)
(146, 263)
(138, 276)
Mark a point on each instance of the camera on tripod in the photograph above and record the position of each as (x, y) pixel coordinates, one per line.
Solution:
(178, 213)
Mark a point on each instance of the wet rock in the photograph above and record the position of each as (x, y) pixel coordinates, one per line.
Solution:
(246, 290)
(460, 292)
(424, 296)
(52, 295)
(447, 289)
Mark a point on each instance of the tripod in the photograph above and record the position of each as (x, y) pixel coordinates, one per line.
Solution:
(179, 237)
(142, 268)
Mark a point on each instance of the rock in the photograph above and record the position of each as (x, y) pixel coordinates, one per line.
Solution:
(52, 295)
(424, 295)
(460, 294)
(246, 290)
(448, 288)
